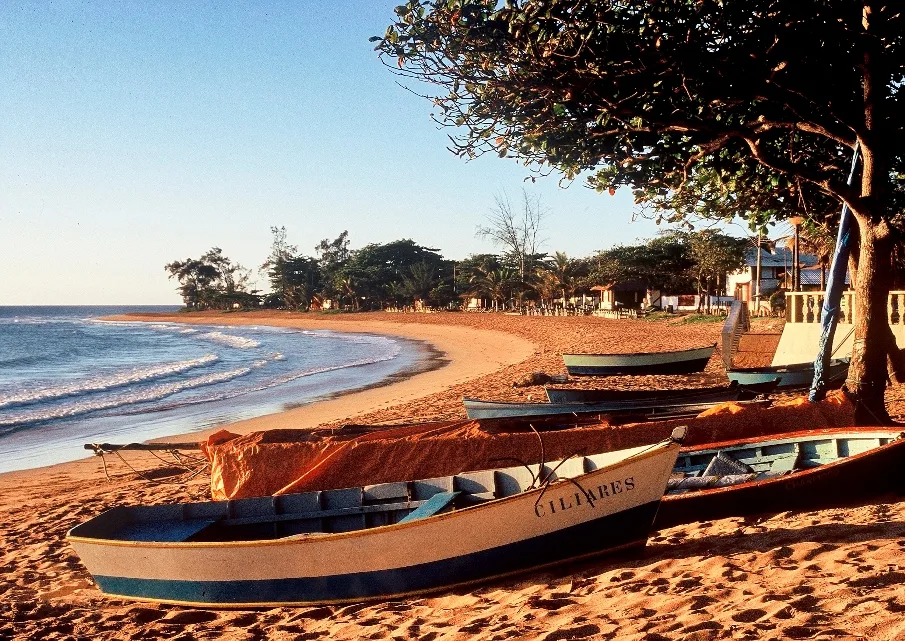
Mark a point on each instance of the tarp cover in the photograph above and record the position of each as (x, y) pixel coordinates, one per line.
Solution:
(285, 461)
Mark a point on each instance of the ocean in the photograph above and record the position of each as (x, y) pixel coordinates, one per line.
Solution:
(67, 377)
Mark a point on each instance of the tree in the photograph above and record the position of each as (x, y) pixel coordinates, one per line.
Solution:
(722, 98)
(470, 269)
(398, 272)
(516, 230)
(714, 256)
(331, 258)
(212, 281)
(662, 263)
(494, 284)
(294, 279)
(566, 273)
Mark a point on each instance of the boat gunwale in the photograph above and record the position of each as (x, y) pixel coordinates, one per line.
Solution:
(653, 449)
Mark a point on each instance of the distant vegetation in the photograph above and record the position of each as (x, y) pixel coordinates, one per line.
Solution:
(403, 273)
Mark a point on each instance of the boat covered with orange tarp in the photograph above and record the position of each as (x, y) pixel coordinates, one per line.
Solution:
(287, 461)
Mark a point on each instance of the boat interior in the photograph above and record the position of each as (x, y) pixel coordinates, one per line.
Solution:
(735, 464)
(332, 511)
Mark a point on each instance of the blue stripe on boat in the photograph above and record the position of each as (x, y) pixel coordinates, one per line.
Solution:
(596, 536)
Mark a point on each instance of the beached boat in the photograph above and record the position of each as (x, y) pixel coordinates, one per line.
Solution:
(377, 541)
(810, 470)
(723, 393)
(683, 361)
(636, 409)
(798, 375)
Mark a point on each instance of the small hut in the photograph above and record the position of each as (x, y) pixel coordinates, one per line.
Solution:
(629, 294)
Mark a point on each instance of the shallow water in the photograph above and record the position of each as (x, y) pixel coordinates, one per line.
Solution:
(68, 378)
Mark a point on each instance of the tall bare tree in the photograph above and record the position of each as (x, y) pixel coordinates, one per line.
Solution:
(516, 228)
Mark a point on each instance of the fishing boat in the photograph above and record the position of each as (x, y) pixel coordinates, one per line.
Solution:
(378, 541)
(648, 409)
(719, 394)
(810, 470)
(684, 361)
(794, 376)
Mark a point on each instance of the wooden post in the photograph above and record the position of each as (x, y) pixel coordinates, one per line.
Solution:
(757, 277)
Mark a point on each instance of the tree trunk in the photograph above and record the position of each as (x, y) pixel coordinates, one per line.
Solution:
(874, 339)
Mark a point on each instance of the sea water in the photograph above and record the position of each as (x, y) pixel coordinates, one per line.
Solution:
(67, 377)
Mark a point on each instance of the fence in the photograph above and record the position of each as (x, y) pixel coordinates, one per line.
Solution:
(616, 313)
(807, 307)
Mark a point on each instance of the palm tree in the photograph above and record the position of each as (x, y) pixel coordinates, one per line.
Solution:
(420, 282)
(493, 283)
(566, 273)
(545, 284)
(348, 288)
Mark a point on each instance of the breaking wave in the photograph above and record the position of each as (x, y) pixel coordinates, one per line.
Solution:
(104, 382)
(123, 398)
(239, 342)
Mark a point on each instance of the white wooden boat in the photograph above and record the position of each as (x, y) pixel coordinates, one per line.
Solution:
(379, 541)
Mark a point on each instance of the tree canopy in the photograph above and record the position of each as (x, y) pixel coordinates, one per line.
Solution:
(212, 281)
(719, 107)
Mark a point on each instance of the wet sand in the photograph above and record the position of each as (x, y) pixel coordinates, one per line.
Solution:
(807, 575)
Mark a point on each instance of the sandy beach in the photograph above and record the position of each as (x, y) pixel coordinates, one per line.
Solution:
(825, 574)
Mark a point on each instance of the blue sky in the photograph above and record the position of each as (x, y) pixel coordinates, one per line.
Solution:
(136, 133)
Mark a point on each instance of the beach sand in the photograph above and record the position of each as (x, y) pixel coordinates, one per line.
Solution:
(825, 574)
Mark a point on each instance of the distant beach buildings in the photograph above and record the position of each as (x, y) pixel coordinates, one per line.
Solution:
(776, 273)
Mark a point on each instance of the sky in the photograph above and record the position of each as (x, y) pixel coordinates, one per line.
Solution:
(133, 134)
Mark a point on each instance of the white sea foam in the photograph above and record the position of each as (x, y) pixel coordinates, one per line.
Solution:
(239, 342)
(124, 398)
(104, 382)
(393, 353)
(281, 380)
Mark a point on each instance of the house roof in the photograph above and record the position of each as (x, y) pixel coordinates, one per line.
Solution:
(630, 285)
(778, 257)
(811, 276)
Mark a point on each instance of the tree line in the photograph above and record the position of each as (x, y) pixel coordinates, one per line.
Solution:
(403, 273)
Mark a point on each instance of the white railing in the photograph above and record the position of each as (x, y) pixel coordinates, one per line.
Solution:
(807, 307)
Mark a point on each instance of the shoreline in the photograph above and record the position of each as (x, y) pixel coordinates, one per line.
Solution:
(451, 355)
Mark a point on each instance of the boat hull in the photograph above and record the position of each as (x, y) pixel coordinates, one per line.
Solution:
(608, 509)
(789, 376)
(483, 410)
(608, 534)
(702, 395)
(850, 480)
(676, 362)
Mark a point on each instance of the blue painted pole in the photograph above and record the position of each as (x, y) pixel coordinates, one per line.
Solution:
(833, 295)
